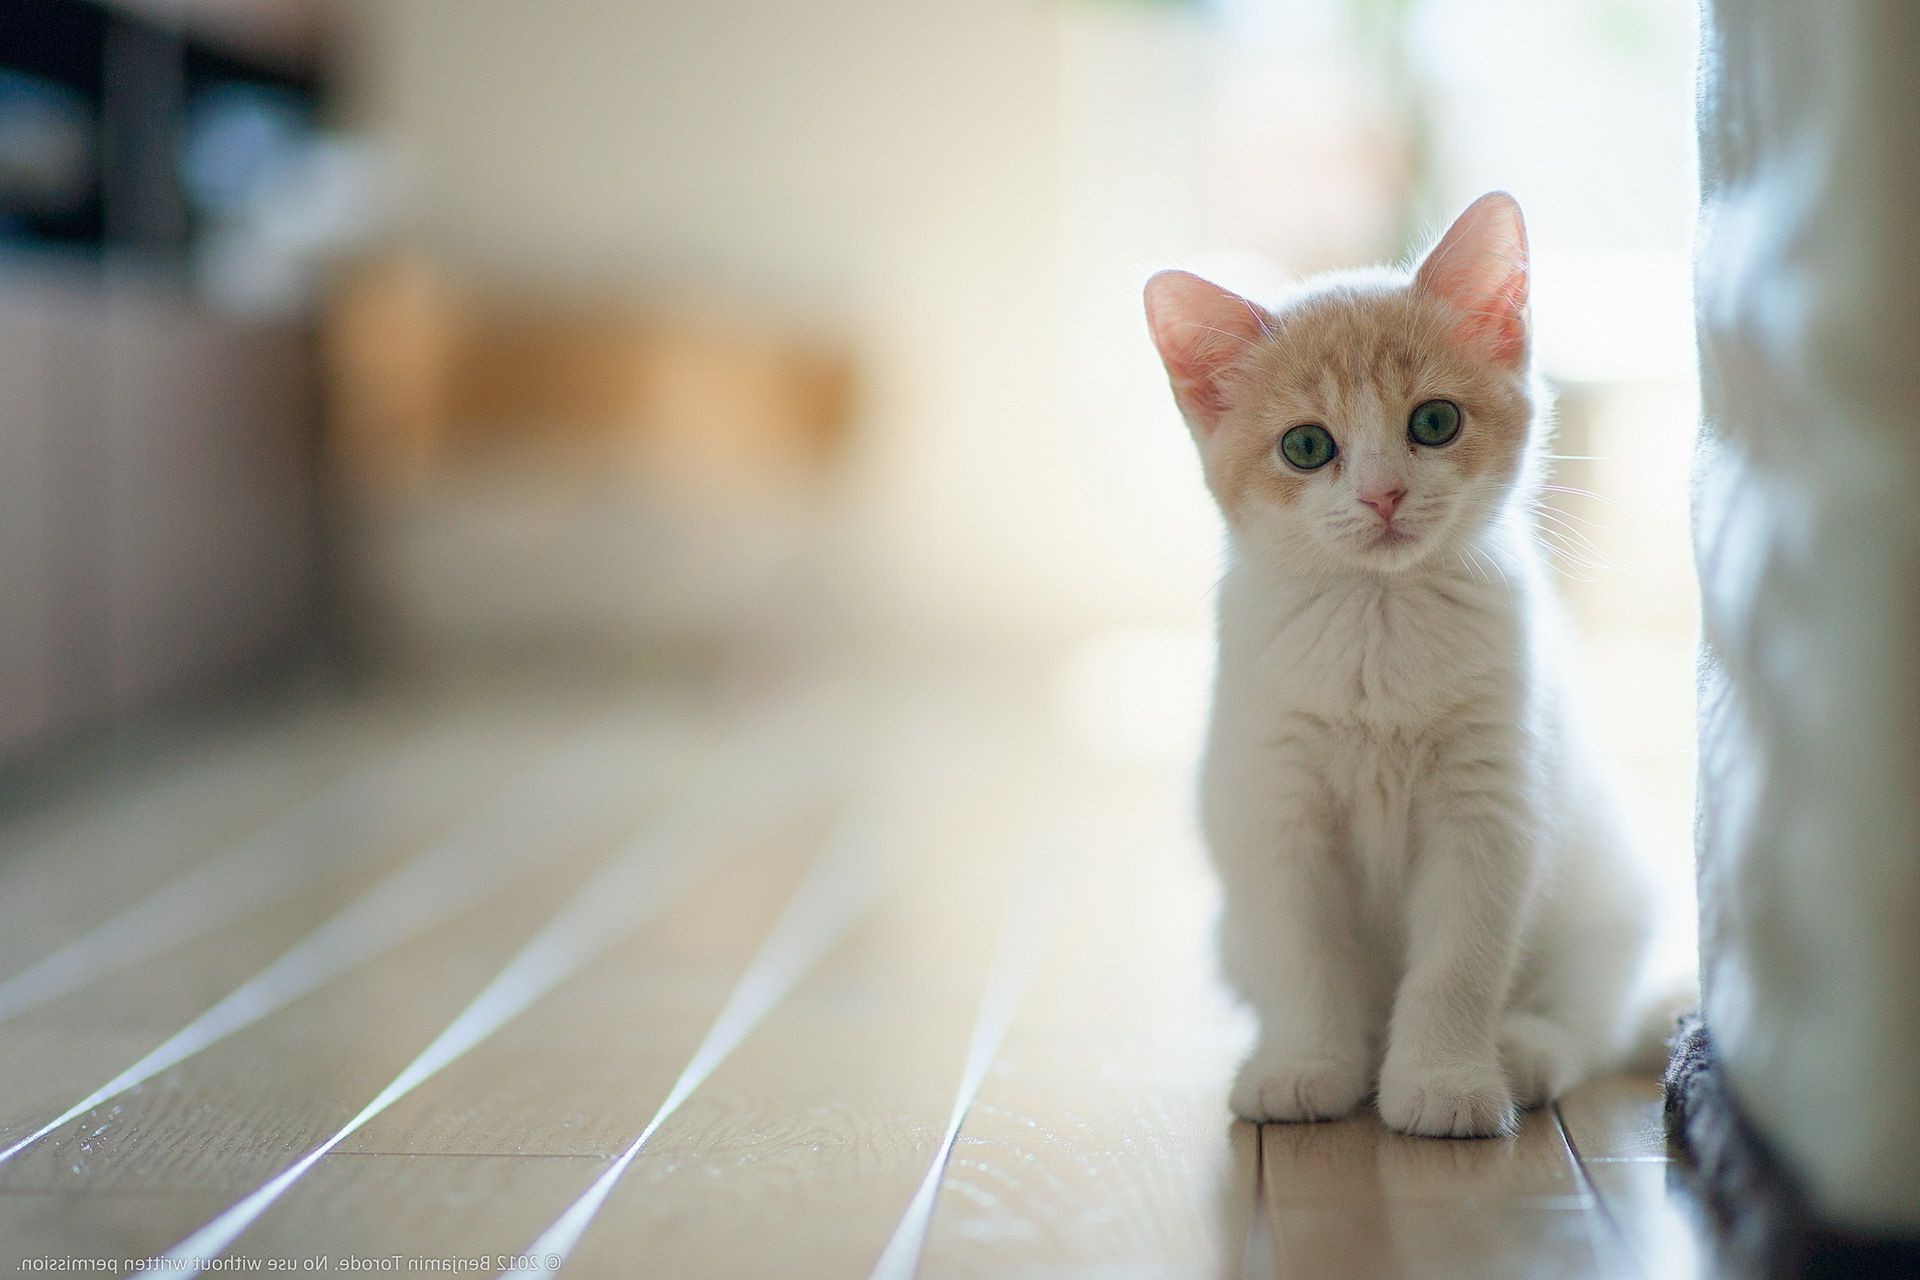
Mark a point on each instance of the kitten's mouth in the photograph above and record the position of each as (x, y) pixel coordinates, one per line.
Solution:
(1391, 546)
(1388, 535)
(1386, 545)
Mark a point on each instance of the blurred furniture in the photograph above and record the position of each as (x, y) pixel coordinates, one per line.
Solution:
(425, 372)
(157, 505)
(158, 455)
(537, 469)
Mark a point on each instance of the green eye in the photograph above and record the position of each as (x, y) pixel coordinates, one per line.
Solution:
(1308, 446)
(1434, 423)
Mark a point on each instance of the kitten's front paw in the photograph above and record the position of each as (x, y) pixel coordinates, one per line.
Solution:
(1294, 1089)
(1464, 1100)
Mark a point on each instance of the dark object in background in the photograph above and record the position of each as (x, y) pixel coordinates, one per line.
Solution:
(159, 456)
(119, 133)
(52, 85)
(49, 161)
(1760, 1215)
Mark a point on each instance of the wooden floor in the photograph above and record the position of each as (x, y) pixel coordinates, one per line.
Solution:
(644, 983)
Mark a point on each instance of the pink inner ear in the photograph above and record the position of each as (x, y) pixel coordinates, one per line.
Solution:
(1479, 268)
(1201, 330)
(1499, 327)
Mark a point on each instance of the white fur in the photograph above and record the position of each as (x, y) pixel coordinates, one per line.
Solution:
(1425, 892)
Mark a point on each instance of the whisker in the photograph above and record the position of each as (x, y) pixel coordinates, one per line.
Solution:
(1574, 491)
(1572, 536)
(1569, 570)
(1560, 554)
(1571, 521)
(1561, 520)
(1493, 564)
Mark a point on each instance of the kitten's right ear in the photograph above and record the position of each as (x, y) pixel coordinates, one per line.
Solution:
(1201, 330)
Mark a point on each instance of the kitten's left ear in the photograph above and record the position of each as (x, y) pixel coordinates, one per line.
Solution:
(1479, 268)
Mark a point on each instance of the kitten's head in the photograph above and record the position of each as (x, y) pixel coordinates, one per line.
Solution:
(1373, 420)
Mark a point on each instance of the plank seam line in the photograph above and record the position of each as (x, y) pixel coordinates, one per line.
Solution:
(1586, 1179)
(1016, 957)
(1259, 1250)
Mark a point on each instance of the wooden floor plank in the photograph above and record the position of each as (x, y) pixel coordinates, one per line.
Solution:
(1659, 1232)
(819, 1127)
(1616, 1127)
(185, 1146)
(1101, 1139)
(316, 850)
(420, 1207)
(1094, 1139)
(126, 843)
(582, 1071)
(1616, 1118)
(1317, 1164)
(77, 1224)
(544, 826)
(228, 1118)
(1353, 1198)
(61, 1053)
(644, 875)
(1378, 1239)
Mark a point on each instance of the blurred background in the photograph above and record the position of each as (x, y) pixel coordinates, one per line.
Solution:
(617, 339)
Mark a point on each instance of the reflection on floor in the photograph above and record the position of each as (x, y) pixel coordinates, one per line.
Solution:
(801, 982)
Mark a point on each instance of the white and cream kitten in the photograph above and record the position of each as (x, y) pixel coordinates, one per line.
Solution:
(1427, 899)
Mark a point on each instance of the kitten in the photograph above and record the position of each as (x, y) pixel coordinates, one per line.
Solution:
(1426, 896)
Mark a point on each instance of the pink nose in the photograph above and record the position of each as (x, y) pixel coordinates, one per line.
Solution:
(1384, 501)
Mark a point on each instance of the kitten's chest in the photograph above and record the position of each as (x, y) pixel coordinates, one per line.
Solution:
(1377, 656)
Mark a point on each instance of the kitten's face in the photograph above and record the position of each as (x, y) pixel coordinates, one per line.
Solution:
(1403, 442)
(1372, 423)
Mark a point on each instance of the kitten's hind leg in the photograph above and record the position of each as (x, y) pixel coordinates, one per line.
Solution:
(1568, 1024)
(1542, 1058)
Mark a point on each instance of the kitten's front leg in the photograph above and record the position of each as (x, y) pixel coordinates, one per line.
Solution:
(1442, 1075)
(1287, 942)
